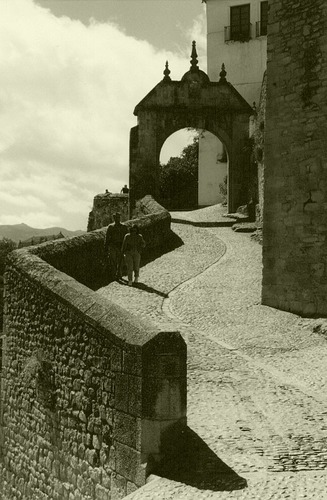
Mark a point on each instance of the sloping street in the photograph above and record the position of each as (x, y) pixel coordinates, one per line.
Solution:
(256, 376)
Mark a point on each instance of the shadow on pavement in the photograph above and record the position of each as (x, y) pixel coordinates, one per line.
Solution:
(145, 288)
(149, 289)
(189, 460)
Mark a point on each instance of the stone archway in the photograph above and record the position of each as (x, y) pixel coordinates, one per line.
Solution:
(193, 102)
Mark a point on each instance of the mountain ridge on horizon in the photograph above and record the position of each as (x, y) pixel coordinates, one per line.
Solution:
(22, 231)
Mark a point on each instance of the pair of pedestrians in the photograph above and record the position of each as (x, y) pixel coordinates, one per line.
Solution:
(119, 243)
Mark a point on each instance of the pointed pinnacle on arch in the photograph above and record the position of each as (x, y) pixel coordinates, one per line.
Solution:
(194, 58)
(167, 73)
(223, 73)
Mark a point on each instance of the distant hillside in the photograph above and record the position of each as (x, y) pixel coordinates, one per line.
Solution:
(20, 232)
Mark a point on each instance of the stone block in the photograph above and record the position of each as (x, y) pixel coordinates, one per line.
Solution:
(116, 359)
(131, 487)
(127, 430)
(152, 431)
(121, 392)
(164, 399)
(118, 487)
(132, 362)
(135, 395)
(151, 437)
(128, 464)
(106, 480)
(101, 493)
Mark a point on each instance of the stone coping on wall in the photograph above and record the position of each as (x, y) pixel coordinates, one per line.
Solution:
(110, 195)
(110, 318)
(146, 223)
(83, 257)
(148, 205)
(43, 262)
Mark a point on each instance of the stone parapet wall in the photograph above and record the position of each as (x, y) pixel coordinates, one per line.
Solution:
(148, 205)
(105, 206)
(83, 257)
(295, 204)
(88, 389)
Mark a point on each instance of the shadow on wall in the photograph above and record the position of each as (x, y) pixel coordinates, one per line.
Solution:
(83, 257)
(188, 459)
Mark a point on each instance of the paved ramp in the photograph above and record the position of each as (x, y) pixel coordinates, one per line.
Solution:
(257, 377)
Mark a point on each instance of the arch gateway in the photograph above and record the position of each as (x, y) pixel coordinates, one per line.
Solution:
(193, 102)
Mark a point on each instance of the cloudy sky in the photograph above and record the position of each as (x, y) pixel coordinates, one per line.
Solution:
(72, 72)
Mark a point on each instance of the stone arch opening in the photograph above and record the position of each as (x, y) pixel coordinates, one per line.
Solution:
(193, 170)
(193, 102)
(178, 171)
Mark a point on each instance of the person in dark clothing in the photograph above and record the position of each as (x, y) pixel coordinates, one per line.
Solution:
(113, 245)
(124, 189)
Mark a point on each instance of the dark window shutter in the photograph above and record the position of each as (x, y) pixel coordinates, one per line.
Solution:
(263, 18)
(240, 22)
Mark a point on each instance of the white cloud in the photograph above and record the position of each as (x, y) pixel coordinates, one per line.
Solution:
(198, 33)
(67, 97)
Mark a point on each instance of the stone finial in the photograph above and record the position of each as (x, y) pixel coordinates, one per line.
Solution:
(194, 58)
(167, 73)
(223, 73)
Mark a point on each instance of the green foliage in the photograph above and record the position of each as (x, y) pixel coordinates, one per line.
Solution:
(6, 246)
(178, 182)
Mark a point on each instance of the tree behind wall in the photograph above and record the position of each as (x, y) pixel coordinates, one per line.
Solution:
(178, 182)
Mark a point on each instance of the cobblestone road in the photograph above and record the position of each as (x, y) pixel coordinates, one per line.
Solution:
(256, 376)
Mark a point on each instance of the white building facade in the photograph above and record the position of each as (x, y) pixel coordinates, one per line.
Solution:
(236, 36)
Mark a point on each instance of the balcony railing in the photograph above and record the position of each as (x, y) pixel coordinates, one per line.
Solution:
(244, 34)
(260, 29)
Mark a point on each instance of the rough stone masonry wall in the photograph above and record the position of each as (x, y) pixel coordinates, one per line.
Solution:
(83, 257)
(88, 389)
(295, 198)
(104, 207)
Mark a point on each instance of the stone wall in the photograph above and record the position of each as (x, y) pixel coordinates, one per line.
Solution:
(295, 206)
(259, 152)
(148, 205)
(104, 207)
(83, 257)
(88, 388)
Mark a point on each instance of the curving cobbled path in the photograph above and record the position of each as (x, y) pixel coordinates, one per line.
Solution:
(257, 377)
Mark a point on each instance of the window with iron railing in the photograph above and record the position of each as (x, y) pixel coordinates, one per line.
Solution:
(240, 26)
(244, 36)
(241, 29)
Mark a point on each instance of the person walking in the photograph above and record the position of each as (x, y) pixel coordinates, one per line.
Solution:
(133, 245)
(113, 245)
